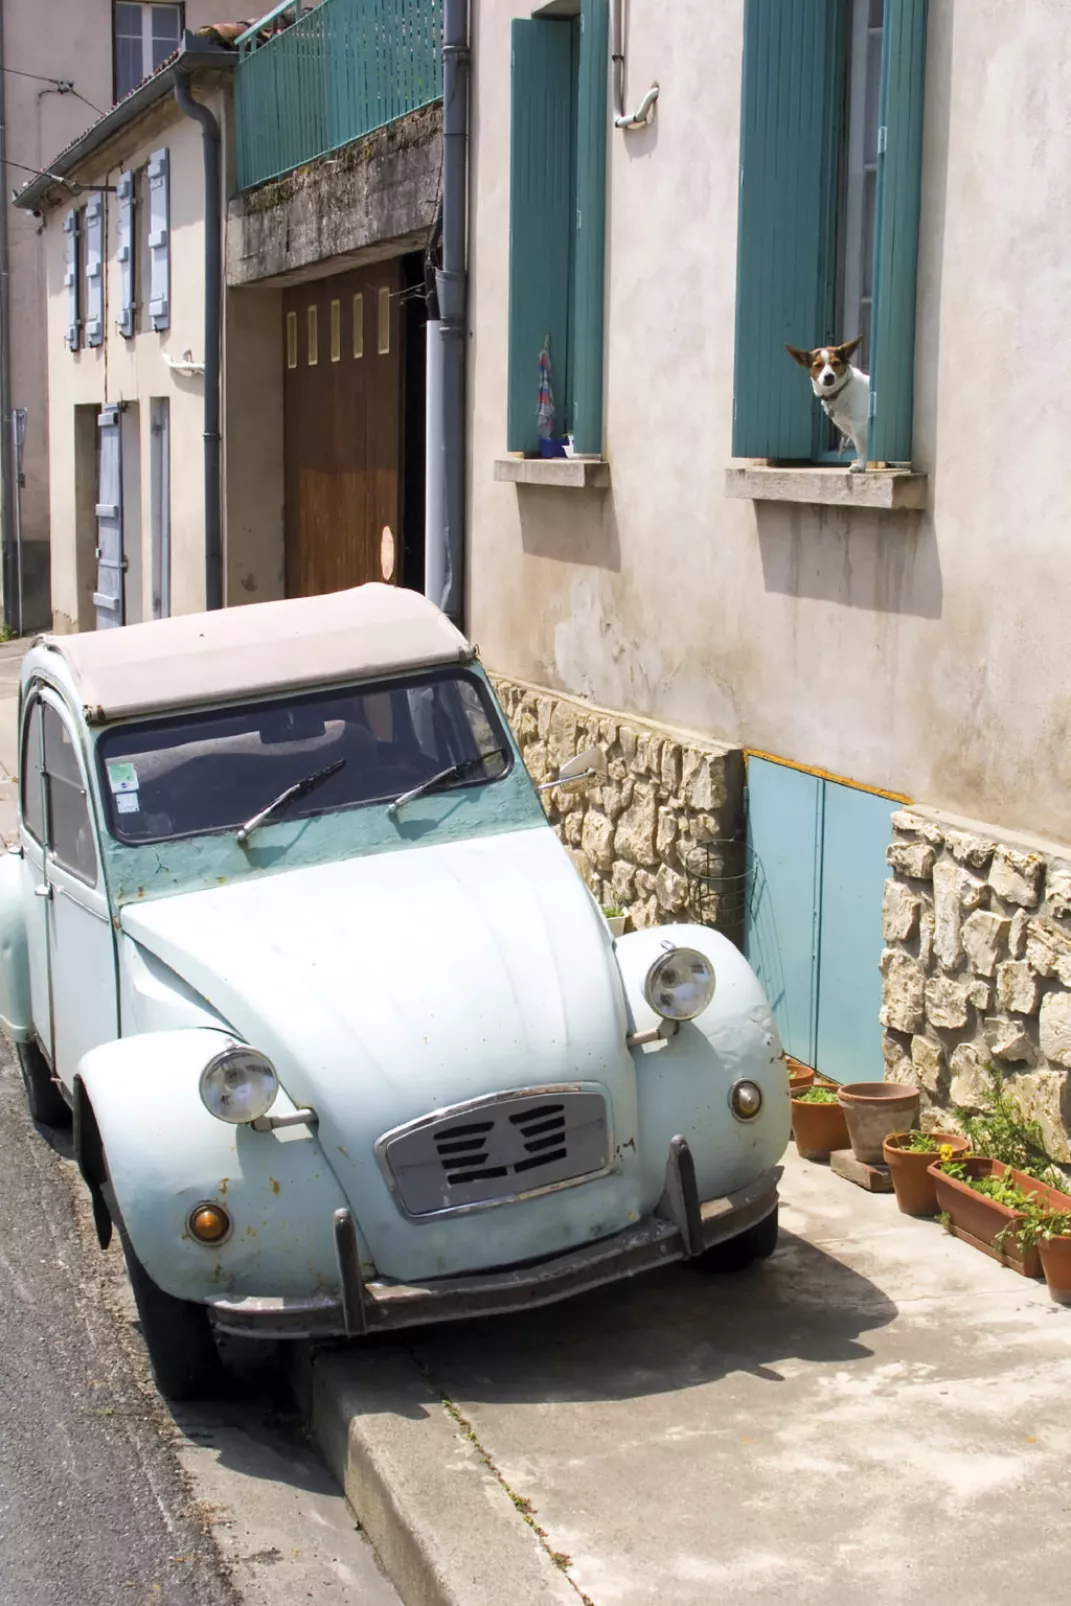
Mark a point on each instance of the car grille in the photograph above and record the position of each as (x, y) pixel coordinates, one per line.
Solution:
(495, 1149)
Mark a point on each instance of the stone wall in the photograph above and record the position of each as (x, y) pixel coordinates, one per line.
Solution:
(977, 968)
(663, 837)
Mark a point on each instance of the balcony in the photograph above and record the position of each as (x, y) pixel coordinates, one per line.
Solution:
(309, 82)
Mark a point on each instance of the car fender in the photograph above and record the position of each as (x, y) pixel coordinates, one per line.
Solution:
(683, 1082)
(142, 1130)
(16, 1016)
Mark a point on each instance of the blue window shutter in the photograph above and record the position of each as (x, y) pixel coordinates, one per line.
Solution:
(892, 362)
(541, 219)
(125, 254)
(71, 280)
(590, 257)
(160, 240)
(94, 227)
(792, 106)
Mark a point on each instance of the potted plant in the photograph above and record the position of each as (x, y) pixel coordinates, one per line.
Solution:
(615, 918)
(909, 1156)
(800, 1076)
(818, 1123)
(873, 1110)
(990, 1205)
(1054, 1247)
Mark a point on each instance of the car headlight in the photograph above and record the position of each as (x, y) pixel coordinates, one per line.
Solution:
(680, 984)
(745, 1100)
(239, 1085)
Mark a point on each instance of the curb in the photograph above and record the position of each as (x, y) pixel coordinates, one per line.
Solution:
(442, 1525)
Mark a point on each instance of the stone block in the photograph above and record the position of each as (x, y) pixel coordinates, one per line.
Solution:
(1048, 949)
(908, 821)
(970, 1077)
(979, 993)
(1044, 1096)
(667, 832)
(928, 1064)
(645, 914)
(671, 890)
(623, 882)
(582, 864)
(1016, 877)
(703, 780)
(1017, 987)
(899, 912)
(898, 1067)
(1058, 891)
(1020, 924)
(946, 913)
(1055, 1028)
(912, 859)
(969, 849)
(1008, 1040)
(572, 829)
(597, 840)
(903, 1007)
(983, 936)
(646, 883)
(637, 826)
(926, 936)
(628, 741)
(671, 768)
(947, 1002)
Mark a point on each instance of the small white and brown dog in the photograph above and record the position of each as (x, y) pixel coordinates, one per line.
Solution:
(844, 391)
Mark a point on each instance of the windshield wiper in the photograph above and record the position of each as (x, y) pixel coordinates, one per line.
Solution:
(298, 789)
(456, 772)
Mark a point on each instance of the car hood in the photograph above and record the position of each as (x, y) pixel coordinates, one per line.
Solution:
(386, 987)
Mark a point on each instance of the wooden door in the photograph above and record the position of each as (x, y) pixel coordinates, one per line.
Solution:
(343, 424)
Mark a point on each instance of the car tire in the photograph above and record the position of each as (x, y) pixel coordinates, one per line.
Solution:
(757, 1243)
(46, 1102)
(178, 1336)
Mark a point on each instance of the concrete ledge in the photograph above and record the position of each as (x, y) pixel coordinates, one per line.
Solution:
(442, 1523)
(566, 473)
(893, 489)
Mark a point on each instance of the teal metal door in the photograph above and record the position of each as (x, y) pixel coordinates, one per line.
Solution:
(816, 856)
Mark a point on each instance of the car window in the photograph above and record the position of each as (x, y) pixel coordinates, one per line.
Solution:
(213, 771)
(70, 825)
(33, 797)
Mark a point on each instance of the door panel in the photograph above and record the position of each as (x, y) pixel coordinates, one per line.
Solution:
(781, 931)
(34, 908)
(856, 833)
(108, 597)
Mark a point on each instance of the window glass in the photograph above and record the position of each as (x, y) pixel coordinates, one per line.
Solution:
(212, 772)
(166, 32)
(33, 800)
(70, 827)
(129, 49)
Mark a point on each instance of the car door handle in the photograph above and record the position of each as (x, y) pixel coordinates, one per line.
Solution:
(43, 891)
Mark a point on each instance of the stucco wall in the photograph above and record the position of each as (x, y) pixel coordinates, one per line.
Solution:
(919, 654)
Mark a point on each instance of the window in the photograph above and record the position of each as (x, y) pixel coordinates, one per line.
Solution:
(358, 325)
(336, 331)
(558, 118)
(291, 340)
(314, 354)
(830, 176)
(145, 35)
(384, 323)
(70, 828)
(33, 800)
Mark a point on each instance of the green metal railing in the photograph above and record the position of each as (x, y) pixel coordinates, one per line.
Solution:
(337, 72)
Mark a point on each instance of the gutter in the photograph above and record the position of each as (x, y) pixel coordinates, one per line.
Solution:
(451, 288)
(213, 207)
(7, 467)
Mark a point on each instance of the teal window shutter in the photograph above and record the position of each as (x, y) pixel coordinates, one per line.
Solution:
(590, 269)
(794, 63)
(892, 363)
(542, 207)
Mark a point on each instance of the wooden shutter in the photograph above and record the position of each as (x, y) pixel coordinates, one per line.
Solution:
(590, 269)
(94, 225)
(127, 292)
(892, 366)
(71, 280)
(791, 115)
(108, 597)
(160, 240)
(541, 219)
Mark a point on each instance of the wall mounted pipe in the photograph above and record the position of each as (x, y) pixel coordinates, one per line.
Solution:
(642, 115)
(451, 288)
(7, 476)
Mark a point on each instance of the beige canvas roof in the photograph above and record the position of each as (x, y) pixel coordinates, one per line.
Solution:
(255, 650)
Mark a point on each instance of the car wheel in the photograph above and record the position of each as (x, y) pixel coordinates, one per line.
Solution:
(757, 1243)
(178, 1336)
(46, 1102)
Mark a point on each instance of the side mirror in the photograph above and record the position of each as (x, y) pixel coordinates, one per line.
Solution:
(586, 768)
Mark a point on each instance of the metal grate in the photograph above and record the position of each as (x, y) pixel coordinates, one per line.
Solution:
(495, 1150)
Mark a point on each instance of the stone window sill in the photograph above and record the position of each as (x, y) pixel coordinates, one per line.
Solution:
(565, 473)
(894, 489)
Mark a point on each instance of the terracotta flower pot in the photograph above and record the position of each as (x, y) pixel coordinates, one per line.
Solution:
(818, 1129)
(873, 1110)
(980, 1221)
(1056, 1264)
(916, 1193)
(799, 1076)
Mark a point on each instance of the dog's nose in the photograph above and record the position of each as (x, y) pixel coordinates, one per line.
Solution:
(828, 378)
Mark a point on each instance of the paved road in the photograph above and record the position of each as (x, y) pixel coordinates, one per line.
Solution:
(105, 1497)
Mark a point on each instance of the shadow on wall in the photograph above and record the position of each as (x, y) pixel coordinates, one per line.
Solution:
(886, 562)
(570, 526)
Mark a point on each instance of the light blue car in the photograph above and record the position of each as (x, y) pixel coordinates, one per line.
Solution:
(348, 1043)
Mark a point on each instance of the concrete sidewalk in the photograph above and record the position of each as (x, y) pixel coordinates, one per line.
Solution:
(879, 1413)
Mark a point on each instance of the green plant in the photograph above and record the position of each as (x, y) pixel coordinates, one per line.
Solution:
(1002, 1132)
(914, 1142)
(6, 633)
(816, 1095)
(612, 911)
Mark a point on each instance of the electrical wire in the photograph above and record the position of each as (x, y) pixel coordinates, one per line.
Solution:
(62, 86)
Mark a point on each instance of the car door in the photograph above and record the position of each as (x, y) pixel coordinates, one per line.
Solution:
(35, 889)
(81, 946)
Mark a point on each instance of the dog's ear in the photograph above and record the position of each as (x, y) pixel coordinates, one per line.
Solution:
(848, 347)
(802, 357)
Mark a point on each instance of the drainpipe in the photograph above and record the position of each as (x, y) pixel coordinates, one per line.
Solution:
(213, 298)
(434, 511)
(642, 115)
(7, 549)
(450, 281)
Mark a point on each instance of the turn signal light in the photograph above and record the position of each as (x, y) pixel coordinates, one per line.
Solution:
(209, 1223)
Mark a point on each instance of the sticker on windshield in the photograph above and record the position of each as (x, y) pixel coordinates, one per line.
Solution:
(127, 803)
(122, 777)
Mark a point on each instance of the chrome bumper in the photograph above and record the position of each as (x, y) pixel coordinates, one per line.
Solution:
(682, 1227)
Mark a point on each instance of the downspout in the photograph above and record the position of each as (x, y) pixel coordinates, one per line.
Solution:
(450, 282)
(7, 498)
(642, 115)
(210, 141)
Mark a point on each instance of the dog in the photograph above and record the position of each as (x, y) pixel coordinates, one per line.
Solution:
(844, 391)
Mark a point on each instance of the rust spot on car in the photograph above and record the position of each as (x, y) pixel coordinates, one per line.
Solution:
(141, 892)
(276, 1187)
(224, 1182)
(629, 1144)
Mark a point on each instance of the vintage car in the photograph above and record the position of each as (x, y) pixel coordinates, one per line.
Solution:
(349, 1045)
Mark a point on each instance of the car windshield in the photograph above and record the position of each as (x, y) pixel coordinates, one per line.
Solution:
(187, 775)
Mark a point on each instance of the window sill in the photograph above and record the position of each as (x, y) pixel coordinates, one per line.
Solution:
(564, 473)
(893, 489)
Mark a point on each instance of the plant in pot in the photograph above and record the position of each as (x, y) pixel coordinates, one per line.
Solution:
(615, 918)
(1054, 1247)
(818, 1123)
(799, 1075)
(909, 1156)
(873, 1110)
(995, 1208)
